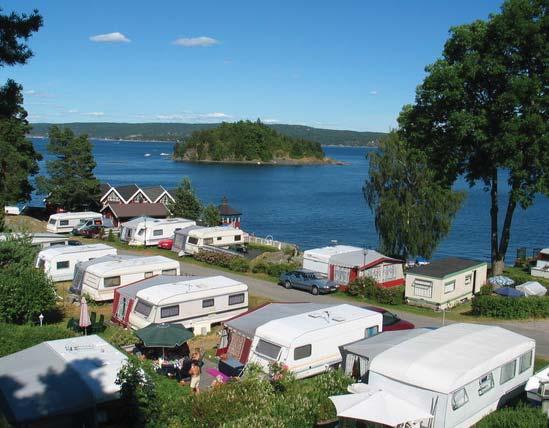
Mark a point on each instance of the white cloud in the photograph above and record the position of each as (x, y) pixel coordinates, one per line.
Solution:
(34, 93)
(115, 37)
(94, 113)
(189, 116)
(270, 121)
(72, 111)
(192, 42)
(373, 92)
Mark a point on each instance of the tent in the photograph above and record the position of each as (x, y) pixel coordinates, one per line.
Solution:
(509, 292)
(532, 288)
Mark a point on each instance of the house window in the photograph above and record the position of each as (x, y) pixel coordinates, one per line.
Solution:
(207, 303)
(63, 222)
(267, 349)
(468, 279)
(449, 286)
(236, 299)
(148, 274)
(171, 272)
(485, 384)
(423, 288)
(525, 361)
(113, 198)
(139, 198)
(63, 264)
(507, 372)
(238, 237)
(112, 281)
(158, 232)
(169, 311)
(143, 308)
(459, 399)
(302, 352)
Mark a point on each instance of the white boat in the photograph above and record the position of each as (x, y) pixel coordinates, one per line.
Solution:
(147, 154)
(165, 154)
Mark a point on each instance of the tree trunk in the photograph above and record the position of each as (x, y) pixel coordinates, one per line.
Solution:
(497, 267)
(494, 218)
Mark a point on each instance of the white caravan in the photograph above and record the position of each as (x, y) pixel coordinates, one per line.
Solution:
(318, 259)
(40, 239)
(66, 222)
(458, 373)
(196, 303)
(218, 236)
(309, 343)
(100, 278)
(150, 231)
(59, 261)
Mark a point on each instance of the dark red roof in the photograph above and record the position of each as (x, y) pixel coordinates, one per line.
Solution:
(226, 210)
(137, 210)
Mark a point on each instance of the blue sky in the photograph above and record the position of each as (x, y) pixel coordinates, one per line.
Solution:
(340, 65)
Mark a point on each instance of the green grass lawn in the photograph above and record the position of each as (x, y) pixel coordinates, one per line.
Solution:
(521, 275)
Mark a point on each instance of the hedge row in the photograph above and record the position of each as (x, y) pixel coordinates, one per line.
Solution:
(368, 288)
(510, 308)
(15, 338)
(234, 263)
(273, 269)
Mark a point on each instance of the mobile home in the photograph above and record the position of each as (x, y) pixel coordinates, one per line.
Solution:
(149, 231)
(66, 222)
(100, 278)
(541, 269)
(59, 261)
(458, 373)
(196, 303)
(318, 259)
(191, 240)
(309, 343)
(444, 283)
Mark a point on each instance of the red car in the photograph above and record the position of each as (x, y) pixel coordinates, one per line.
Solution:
(166, 244)
(391, 322)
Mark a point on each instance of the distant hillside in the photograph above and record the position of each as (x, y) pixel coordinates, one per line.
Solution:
(248, 142)
(182, 131)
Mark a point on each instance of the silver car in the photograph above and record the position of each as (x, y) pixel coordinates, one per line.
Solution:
(307, 280)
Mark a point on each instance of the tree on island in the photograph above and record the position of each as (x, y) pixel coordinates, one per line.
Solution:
(18, 159)
(71, 183)
(413, 211)
(211, 216)
(186, 204)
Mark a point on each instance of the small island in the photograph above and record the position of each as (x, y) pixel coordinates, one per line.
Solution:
(248, 142)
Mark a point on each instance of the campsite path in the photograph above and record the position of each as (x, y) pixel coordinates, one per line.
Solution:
(537, 329)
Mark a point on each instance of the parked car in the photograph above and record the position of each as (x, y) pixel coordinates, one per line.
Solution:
(91, 231)
(391, 322)
(166, 244)
(307, 280)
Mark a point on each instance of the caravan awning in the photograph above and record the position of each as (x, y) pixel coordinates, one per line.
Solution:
(377, 405)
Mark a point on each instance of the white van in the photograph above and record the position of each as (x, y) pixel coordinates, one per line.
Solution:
(309, 343)
(196, 303)
(66, 222)
(218, 236)
(150, 231)
(59, 261)
(100, 278)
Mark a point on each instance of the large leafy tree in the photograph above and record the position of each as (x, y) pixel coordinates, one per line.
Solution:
(187, 204)
(71, 183)
(482, 111)
(18, 160)
(412, 210)
(211, 216)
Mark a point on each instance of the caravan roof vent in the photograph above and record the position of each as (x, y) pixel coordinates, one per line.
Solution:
(316, 315)
(338, 318)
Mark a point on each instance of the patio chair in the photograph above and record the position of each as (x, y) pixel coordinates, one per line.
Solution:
(99, 326)
(72, 324)
(93, 317)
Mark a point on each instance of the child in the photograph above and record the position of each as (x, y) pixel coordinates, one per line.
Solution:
(195, 378)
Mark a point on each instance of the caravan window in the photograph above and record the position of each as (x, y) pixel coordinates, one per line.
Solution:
(63, 223)
(507, 372)
(208, 241)
(459, 399)
(485, 384)
(449, 286)
(219, 238)
(111, 281)
(52, 221)
(169, 311)
(148, 274)
(208, 303)
(525, 362)
(41, 264)
(139, 232)
(158, 232)
(267, 349)
(423, 288)
(235, 299)
(63, 265)
(302, 352)
(192, 240)
(171, 272)
(143, 308)
(238, 237)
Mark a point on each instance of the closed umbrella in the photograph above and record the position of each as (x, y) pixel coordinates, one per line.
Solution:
(85, 321)
(509, 292)
(164, 335)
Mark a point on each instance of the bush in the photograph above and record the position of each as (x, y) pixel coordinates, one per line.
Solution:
(510, 308)
(18, 337)
(367, 287)
(273, 269)
(120, 337)
(227, 261)
(239, 264)
(522, 416)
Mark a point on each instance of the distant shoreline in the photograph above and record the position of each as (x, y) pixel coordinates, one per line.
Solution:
(279, 162)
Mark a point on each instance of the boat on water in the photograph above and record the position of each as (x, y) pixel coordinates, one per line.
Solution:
(165, 154)
(147, 155)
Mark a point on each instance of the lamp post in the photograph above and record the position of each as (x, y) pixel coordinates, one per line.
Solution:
(41, 318)
(145, 237)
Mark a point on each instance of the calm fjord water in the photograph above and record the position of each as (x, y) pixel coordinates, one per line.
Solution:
(308, 205)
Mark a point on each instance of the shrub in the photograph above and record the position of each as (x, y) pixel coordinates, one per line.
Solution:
(110, 236)
(367, 287)
(119, 336)
(18, 337)
(390, 296)
(522, 416)
(273, 269)
(239, 264)
(486, 290)
(510, 308)
(228, 261)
